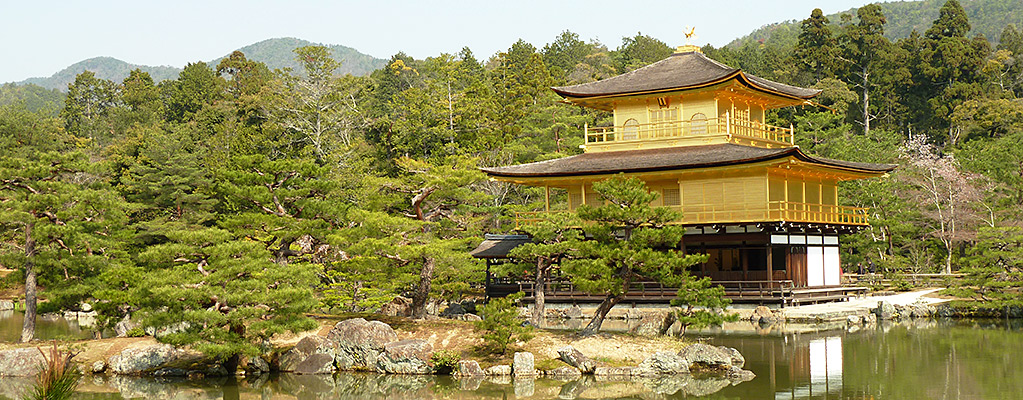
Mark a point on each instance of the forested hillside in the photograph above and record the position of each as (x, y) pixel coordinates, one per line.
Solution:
(987, 17)
(274, 53)
(231, 200)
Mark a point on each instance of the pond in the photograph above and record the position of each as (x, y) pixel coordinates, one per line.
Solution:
(48, 327)
(948, 359)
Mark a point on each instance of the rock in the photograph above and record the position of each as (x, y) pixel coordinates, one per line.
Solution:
(522, 364)
(613, 371)
(150, 359)
(452, 310)
(166, 330)
(406, 357)
(498, 370)
(577, 359)
(765, 316)
(706, 356)
(564, 372)
(737, 374)
(124, 326)
(98, 367)
(314, 349)
(468, 368)
(470, 317)
(85, 307)
(21, 362)
(654, 324)
(664, 363)
(574, 312)
(737, 359)
(6, 305)
(316, 364)
(884, 311)
(359, 342)
(397, 307)
(633, 313)
(256, 366)
(854, 320)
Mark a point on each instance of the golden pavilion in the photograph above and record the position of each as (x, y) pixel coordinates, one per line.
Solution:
(694, 130)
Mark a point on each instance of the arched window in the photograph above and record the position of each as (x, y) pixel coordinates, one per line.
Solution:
(630, 129)
(698, 124)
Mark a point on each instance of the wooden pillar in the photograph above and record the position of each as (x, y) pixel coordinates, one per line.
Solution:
(770, 262)
(582, 189)
(547, 198)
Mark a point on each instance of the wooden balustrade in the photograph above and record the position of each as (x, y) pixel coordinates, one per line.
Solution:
(727, 126)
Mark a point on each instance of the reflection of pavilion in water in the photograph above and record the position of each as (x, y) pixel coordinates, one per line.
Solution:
(823, 364)
(791, 366)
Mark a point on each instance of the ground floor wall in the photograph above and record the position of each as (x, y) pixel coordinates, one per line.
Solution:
(747, 254)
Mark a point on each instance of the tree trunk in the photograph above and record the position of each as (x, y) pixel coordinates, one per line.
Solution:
(866, 102)
(422, 293)
(601, 313)
(538, 294)
(28, 329)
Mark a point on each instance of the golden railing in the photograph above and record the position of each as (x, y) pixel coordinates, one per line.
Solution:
(727, 213)
(726, 126)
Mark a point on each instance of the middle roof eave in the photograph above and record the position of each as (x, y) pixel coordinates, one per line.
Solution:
(671, 158)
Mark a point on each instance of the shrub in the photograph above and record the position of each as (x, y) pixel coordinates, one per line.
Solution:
(444, 361)
(500, 324)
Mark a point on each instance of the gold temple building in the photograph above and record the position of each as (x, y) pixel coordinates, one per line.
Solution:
(694, 130)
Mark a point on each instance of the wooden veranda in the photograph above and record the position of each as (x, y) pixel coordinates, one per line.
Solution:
(782, 293)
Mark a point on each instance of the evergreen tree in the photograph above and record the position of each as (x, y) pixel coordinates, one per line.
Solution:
(553, 239)
(632, 241)
(815, 51)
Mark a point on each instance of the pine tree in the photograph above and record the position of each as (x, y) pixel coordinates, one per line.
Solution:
(632, 241)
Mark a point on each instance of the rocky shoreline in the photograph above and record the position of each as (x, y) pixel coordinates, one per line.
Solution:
(373, 346)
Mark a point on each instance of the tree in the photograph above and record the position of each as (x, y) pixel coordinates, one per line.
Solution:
(947, 191)
(994, 267)
(88, 101)
(815, 50)
(66, 218)
(702, 293)
(865, 46)
(554, 238)
(639, 51)
(631, 241)
(319, 110)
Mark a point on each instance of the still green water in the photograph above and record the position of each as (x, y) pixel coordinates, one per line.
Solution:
(923, 360)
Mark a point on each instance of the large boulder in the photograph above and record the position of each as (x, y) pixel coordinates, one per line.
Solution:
(522, 364)
(577, 359)
(312, 354)
(407, 357)
(6, 305)
(706, 356)
(124, 326)
(359, 342)
(654, 324)
(664, 363)
(21, 362)
(162, 360)
(764, 316)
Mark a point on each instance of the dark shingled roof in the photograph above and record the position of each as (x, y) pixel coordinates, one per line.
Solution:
(669, 158)
(679, 71)
(498, 246)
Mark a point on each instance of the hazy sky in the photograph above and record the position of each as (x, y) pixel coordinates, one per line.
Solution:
(41, 37)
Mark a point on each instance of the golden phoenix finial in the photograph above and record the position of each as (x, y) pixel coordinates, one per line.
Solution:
(690, 32)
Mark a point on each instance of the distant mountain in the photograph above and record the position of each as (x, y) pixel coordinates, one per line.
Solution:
(278, 53)
(105, 68)
(275, 53)
(987, 17)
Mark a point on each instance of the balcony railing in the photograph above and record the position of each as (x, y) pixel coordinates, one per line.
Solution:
(726, 126)
(729, 213)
